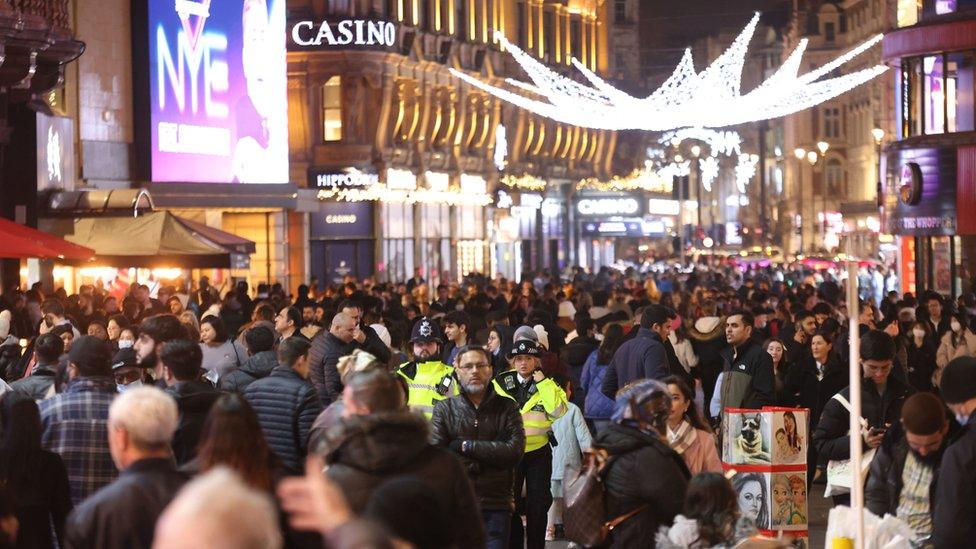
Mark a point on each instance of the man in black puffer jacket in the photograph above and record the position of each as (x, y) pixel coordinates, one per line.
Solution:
(380, 440)
(260, 361)
(181, 360)
(486, 432)
(286, 404)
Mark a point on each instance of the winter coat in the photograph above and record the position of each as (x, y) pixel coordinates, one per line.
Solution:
(643, 357)
(883, 490)
(574, 355)
(801, 381)
(40, 384)
(123, 514)
(10, 357)
(830, 437)
(596, 405)
(965, 346)
(495, 443)
(953, 523)
(748, 381)
(920, 364)
(707, 336)
(674, 364)
(373, 345)
(257, 366)
(683, 534)
(322, 359)
(193, 400)
(702, 455)
(573, 437)
(367, 450)
(684, 351)
(286, 406)
(628, 485)
(42, 500)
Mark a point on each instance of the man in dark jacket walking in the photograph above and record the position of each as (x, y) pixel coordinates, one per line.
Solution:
(747, 380)
(882, 396)
(954, 524)
(643, 357)
(327, 348)
(260, 361)
(181, 360)
(485, 431)
(707, 337)
(379, 439)
(40, 383)
(141, 423)
(286, 404)
(905, 471)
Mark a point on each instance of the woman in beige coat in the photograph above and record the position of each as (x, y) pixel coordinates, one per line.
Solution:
(688, 434)
(958, 341)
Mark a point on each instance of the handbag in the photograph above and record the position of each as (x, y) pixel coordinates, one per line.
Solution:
(584, 515)
(840, 472)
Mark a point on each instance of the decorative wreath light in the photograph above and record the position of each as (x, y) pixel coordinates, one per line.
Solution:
(644, 179)
(687, 99)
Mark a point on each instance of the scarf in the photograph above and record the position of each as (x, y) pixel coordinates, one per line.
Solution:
(683, 438)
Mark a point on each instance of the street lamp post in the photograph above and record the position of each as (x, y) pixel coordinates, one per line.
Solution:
(696, 152)
(878, 134)
(800, 154)
(812, 158)
(823, 146)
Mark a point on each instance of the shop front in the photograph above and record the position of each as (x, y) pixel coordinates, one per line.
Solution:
(470, 228)
(611, 227)
(342, 241)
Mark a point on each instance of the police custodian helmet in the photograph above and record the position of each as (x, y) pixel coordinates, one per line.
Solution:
(426, 330)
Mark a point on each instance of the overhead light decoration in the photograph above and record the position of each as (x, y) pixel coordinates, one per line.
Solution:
(709, 172)
(687, 99)
(745, 170)
(524, 182)
(501, 148)
(719, 142)
(643, 179)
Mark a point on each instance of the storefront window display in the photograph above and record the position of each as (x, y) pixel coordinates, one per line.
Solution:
(397, 245)
(937, 94)
(435, 241)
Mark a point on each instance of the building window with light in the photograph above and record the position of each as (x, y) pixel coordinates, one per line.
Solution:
(907, 12)
(332, 109)
(936, 94)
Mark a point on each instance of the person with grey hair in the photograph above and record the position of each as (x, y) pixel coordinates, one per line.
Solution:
(219, 511)
(327, 348)
(141, 423)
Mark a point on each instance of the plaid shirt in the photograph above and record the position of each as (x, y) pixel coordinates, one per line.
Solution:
(76, 428)
(913, 504)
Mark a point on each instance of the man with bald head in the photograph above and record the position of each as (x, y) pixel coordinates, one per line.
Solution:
(327, 348)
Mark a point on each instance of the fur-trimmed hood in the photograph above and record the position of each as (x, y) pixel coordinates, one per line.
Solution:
(707, 328)
(378, 442)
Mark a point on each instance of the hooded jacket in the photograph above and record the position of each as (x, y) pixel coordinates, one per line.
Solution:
(193, 400)
(366, 450)
(883, 491)
(748, 381)
(629, 486)
(495, 443)
(257, 366)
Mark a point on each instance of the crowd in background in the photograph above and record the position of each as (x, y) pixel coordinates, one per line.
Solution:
(128, 414)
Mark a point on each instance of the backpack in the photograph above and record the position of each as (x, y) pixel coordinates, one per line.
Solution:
(585, 499)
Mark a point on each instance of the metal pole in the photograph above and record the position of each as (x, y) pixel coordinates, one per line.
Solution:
(763, 224)
(803, 214)
(823, 193)
(681, 219)
(856, 440)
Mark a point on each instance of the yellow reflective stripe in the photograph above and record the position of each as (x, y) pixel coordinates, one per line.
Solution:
(538, 417)
(535, 431)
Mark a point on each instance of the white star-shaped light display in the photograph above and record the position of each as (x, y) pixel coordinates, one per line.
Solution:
(707, 99)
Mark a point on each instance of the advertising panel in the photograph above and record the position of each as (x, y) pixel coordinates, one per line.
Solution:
(217, 83)
(55, 153)
(342, 220)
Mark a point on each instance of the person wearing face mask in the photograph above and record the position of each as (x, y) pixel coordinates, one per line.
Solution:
(882, 397)
(954, 520)
(126, 370)
(959, 341)
(920, 357)
(905, 471)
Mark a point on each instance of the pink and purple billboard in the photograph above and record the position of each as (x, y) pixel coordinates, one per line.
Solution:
(218, 85)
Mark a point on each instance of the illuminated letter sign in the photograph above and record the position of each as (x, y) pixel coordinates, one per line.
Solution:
(218, 91)
(608, 206)
(351, 179)
(348, 32)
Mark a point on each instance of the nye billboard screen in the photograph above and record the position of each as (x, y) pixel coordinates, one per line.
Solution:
(217, 86)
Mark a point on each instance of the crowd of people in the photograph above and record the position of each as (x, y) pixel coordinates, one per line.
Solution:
(369, 414)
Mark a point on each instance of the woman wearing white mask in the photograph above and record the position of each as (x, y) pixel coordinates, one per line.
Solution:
(920, 356)
(958, 341)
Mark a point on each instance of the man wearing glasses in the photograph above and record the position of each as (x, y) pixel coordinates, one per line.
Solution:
(485, 430)
(882, 396)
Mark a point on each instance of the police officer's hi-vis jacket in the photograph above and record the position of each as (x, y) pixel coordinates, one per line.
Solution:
(428, 383)
(540, 403)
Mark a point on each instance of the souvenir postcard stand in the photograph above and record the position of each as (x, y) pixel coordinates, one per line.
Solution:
(767, 449)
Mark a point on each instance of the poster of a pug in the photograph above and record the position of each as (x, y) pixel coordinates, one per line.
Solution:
(748, 438)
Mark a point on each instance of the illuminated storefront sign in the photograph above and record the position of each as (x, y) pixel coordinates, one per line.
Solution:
(342, 220)
(662, 206)
(349, 32)
(218, 91)
(343, 179)
(608, 206)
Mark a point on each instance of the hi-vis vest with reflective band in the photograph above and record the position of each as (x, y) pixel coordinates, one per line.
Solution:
(547, 402)
(428, 383)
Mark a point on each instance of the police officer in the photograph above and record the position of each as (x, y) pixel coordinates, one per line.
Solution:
(541, 401)
(428, 379)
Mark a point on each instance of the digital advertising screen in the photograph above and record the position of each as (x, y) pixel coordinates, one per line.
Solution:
(218, 91)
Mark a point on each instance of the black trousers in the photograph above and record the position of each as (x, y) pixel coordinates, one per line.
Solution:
(535, 472)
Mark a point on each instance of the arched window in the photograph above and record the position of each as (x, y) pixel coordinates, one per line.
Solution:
(834, 175)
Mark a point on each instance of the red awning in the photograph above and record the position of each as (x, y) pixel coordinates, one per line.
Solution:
(20, 242)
